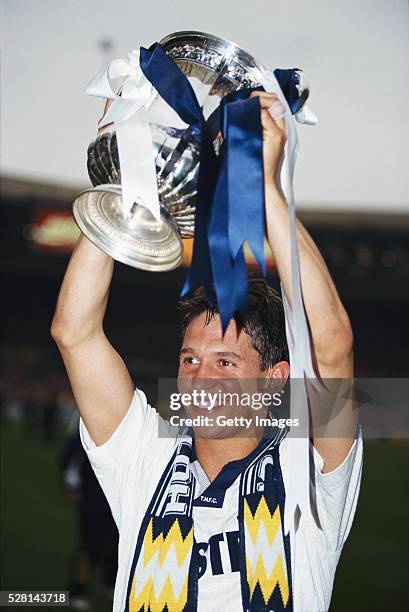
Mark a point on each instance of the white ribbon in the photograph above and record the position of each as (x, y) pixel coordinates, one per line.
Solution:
(298, 338)
(306, 116)
(124, 82)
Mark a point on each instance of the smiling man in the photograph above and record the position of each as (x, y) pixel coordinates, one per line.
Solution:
(200, 521)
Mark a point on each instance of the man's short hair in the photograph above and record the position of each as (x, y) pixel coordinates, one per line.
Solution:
(264, 322)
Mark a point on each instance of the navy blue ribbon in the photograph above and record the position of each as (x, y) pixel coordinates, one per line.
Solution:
(237, 211)
(230, 201)
(200, 271)
(171, 84)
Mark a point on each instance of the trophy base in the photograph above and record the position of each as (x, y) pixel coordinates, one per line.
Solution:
(138, 241)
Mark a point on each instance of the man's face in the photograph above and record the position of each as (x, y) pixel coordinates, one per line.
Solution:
(205, 354)
(211, 363)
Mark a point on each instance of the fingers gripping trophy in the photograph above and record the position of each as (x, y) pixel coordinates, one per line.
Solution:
(159, 162)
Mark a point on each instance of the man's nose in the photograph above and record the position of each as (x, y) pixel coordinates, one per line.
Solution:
(205, 377)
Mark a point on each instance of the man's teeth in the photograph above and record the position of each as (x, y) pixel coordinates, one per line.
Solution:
(205, 406)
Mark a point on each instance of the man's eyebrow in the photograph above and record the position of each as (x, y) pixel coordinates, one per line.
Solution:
(186, 349)
(229, 354)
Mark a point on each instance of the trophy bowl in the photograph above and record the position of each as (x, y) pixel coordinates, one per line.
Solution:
(215, 68)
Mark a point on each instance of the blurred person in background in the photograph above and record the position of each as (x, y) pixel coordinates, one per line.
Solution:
(98, 535)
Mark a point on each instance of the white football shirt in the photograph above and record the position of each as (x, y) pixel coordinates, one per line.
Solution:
(128, 467)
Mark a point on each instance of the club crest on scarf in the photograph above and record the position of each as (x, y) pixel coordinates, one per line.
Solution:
(165, 570)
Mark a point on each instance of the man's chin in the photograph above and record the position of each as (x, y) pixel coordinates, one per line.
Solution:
(210, 433)
(217, 432)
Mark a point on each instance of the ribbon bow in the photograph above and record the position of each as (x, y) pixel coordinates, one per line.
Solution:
(124, 82)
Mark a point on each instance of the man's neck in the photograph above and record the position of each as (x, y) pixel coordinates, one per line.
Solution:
(214, 454)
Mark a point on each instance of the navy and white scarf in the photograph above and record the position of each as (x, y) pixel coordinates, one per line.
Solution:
(165, 569)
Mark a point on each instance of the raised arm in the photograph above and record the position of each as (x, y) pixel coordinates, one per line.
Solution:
(329, 325)
(99, 379)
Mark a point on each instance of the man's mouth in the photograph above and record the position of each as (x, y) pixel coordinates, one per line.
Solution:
(204, 408)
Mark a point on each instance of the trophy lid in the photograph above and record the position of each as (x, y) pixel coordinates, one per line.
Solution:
(138, 240)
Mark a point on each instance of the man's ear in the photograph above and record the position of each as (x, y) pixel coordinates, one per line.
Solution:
(278, 375)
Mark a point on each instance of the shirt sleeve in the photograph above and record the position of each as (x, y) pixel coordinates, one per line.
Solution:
(336, 495)
(139, 440)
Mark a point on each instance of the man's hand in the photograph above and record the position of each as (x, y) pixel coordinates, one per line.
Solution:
(274, 135)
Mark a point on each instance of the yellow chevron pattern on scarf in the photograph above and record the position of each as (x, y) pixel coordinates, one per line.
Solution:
(265, 562)
(161, 575)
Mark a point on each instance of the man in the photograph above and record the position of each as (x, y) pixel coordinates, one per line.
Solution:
(196, 532)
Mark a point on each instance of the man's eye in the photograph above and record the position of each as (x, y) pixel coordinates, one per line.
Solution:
(191, 360)
(226, 363)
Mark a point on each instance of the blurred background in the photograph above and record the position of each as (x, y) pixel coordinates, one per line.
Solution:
(352, 194)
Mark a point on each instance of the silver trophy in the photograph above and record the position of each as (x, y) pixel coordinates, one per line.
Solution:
(215, 68)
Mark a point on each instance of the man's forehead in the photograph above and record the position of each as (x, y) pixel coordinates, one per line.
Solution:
(211, 334)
